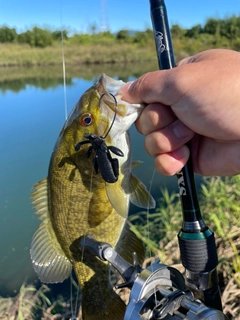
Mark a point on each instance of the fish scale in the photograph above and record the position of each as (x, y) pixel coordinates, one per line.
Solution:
(74, 201)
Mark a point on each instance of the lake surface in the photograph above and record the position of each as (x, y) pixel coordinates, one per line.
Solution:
(31, 117)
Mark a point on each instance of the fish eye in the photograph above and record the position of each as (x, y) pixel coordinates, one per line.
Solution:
(86, 119)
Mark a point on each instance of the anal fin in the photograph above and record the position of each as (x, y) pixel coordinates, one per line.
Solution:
(128, 244)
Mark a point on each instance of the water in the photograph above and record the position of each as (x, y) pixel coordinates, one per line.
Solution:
(31, 117)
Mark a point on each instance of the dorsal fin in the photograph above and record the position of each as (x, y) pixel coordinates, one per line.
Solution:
(48, 258)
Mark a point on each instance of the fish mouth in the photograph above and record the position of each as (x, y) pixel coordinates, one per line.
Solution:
(108, 89)
(113, 107)
(109, 85)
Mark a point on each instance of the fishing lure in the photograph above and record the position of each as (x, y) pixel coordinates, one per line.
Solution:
(102, 160)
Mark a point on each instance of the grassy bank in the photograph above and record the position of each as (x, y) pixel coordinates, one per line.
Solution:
(112, 52)
(24, 55)
(219, 201)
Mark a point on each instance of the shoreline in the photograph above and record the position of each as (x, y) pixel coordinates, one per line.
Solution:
(16, 55)
(23, 55)
(39, 74)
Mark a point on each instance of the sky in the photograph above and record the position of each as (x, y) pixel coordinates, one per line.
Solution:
(80, 15)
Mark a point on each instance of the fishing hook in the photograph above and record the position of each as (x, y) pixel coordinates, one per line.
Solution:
(102, 160)
(115, 111)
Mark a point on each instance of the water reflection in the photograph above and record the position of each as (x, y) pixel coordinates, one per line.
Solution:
(17, 78)
(41, 83)
(32, 114)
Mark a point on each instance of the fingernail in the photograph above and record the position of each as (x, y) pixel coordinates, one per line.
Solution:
(181, 153)
(181, 131)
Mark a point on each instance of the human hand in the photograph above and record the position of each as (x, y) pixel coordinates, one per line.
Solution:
(198, 101)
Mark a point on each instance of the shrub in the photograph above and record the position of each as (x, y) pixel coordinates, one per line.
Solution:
(7, 34)
(58, 35)
(36, 38)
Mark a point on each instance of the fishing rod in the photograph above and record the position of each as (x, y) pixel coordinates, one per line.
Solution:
(160, 291)
(196, 241)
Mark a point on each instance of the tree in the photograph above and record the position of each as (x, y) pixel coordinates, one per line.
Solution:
(36, 38)
(232, 27)
(122, 34)
(212, 26)
(194, 31)
(42, 38)
(177, 31)
(7, 34)
(93, 28)
(58, 35)
(143, 36)
(26, 37)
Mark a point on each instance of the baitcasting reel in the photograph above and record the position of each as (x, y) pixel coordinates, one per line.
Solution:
(157, 292)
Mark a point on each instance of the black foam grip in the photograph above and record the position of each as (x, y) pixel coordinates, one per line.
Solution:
(198, 255)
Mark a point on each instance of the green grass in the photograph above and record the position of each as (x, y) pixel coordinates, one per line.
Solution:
(75, 54)
(220, 206)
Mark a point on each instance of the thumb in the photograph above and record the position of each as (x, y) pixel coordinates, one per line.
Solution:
(161, 86)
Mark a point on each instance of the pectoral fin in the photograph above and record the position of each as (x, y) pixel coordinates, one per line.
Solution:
(139, 194)
(48, 258)
(118, 198)
(136, 163)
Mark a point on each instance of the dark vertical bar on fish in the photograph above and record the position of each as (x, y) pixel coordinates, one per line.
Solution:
(196, 241)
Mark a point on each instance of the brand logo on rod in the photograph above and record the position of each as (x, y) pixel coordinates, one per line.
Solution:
(181, 184)
(159, 40)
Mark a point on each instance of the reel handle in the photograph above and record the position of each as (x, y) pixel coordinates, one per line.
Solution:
(105, 252)
(157, 292)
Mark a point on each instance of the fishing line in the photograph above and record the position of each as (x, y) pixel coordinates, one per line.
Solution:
(71, 295)
(115, 111)
(73, 317)
(74, 314)
(63, 67)
(90, 190)
(76, 300)
(82, 250)
(148, 229)
(64, 79)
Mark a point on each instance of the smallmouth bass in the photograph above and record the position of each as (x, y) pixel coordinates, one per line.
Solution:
(74, 200)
